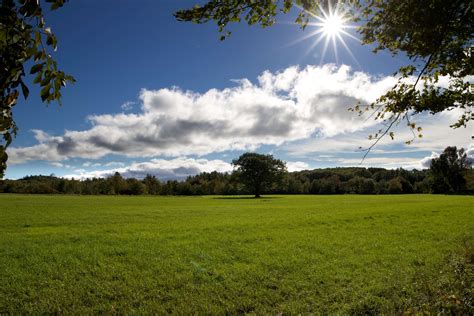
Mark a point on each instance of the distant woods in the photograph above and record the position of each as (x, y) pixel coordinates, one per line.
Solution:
(451, 173)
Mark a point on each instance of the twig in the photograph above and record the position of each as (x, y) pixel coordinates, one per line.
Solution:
(380, 137)
(399, 114)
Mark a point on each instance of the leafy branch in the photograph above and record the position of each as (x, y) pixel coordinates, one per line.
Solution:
(24, 37)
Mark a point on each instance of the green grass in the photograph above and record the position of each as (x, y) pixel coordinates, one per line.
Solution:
(279, 254)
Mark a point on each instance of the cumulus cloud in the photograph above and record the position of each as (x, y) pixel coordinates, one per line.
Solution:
(383, 162)
(280, 107)
(437, 135)
(426, 161)
(59, 165)
(114, 163)
(127, 106)
(297, 166)
(173, 169)
(88, 164)
(470, 154)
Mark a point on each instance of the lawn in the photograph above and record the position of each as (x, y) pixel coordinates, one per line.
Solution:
(214, 255)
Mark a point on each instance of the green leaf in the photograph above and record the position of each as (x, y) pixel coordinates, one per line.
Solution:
(25, 90)
(45, 93)
(37, 38)
(49, 40)
(8, 138)
(38, 78)
(36, 68)
(39, 55)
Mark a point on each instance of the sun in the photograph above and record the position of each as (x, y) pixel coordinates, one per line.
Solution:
(330, 26)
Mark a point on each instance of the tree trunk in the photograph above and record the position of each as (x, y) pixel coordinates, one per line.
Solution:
(257, 190)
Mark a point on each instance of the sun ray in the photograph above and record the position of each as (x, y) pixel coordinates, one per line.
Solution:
(310, 35)
(350, 35)
(334, 45)
(348, 50)
(313, 45)
(326, 43)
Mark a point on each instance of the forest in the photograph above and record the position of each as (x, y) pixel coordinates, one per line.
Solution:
(318, 181)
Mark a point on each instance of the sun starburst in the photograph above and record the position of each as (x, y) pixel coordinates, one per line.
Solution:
(332, 25)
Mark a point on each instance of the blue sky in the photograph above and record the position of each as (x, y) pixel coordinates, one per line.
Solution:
(154, 95)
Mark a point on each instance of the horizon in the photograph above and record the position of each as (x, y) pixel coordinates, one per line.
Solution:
(138, 175)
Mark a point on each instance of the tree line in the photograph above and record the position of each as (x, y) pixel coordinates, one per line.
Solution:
(451, 173)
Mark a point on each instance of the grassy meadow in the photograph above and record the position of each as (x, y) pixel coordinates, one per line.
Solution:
(343, 254)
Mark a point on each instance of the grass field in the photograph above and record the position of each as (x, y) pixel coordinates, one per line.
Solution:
(279, 254)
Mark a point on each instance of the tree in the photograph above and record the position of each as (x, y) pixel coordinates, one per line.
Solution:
(258, 171)
(423, 186)
(25, 38)
(135, 187)
(447, 171)
(395, 186)
(436, 35)
(117, 184)
(152, 184)
(294, 186)
(367, 186)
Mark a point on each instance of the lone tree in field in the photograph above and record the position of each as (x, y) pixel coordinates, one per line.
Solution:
(448, 171)
(257, 171)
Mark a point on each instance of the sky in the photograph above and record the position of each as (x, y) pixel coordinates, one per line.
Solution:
(158, 96)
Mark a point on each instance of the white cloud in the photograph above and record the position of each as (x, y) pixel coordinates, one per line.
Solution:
(281, 107)
(59, 165)
(437, 135)
(426, 161)
(305, 110)
(297, 166)
(127, 106)
(382, 162)
(386, 159)
(114, 163)
(470, 154)
(178, 168)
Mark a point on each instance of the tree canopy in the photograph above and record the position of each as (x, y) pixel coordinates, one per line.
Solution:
(25, 38)
(436, 36)
(448, 171)
(258, 171)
